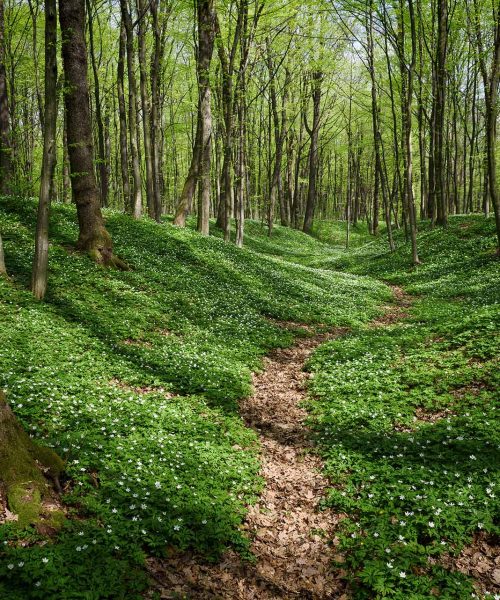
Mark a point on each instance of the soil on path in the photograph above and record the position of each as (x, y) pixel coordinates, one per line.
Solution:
(291, 537)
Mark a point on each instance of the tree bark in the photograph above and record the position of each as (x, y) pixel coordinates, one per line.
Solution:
(102, 162)
(5, 133)
(206, 38)
(317, 78)
(146, 111)
(156, 63)
(440, 104)
(185, 202)
(21, 464)
(41, 258)
(407, 76)
(124, 163)
(132, 111)
(93, 237)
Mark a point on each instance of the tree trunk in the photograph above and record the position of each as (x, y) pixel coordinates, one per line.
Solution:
(41, 258)
(186, 199)
(124, 165)
(132, 111)
(206, 37)
(21, 464)
(102, 163)
(440, 104)
(407, 76)
(490, 82)
(146, 110)
(156, 62)
(5, 137)
(93, 237)
(313, 151)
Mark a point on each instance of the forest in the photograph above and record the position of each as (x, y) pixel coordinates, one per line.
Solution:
(249, 299)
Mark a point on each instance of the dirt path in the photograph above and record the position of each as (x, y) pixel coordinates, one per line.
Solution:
(290, 536)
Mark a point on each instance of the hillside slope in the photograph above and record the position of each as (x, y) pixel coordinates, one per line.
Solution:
(133, 378)
(406, 416)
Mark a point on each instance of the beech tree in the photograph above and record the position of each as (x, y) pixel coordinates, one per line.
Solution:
(93, 237)
(5, 135)
(41, 258)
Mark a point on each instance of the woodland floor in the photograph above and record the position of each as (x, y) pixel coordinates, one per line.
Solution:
(290, 535)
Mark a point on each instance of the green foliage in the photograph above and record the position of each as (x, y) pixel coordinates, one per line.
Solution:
(133, 378)
(406, 417)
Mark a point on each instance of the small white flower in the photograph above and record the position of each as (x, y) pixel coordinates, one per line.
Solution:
(431, 524)
(45, 560)
(402, 574)
(157, 485)
(10, 566)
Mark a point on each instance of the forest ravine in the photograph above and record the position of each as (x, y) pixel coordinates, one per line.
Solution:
(293, 539)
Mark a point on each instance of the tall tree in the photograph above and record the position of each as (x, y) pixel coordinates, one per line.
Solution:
(206, 37)
(491, 77)
(41, 258)
(93, 237)
(313, 131)
(132, 110)
(101, 148)
(5, 139)
(146, 110)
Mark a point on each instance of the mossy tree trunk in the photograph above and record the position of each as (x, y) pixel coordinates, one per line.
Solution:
(27, 470)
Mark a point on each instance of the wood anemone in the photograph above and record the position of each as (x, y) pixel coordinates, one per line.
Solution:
(29, 473)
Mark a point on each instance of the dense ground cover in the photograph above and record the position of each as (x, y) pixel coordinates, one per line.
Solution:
(406, 416)
(133, 377)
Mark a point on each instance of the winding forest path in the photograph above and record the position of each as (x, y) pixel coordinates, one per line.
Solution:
(291, 538)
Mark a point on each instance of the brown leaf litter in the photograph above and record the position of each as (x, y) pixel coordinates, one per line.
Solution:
(393, 313)
(290, 536)
(479, 560)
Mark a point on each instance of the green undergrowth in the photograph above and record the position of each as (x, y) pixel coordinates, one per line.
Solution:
(406, 417)
(334, 233)
(133, 378)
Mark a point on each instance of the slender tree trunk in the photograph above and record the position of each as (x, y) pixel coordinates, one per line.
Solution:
(156, 63)
(124, 164)
(93, 237)
(146, 110)
(206, 37)
(490, 82)
(440, 105)
(41, 258)
(65, 165)
(5, 135)
(313, 151)
(132, 111)
(102, 163)
(186, 199)
(407, 76)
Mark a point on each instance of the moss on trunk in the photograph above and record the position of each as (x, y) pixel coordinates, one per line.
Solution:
(25, 469)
